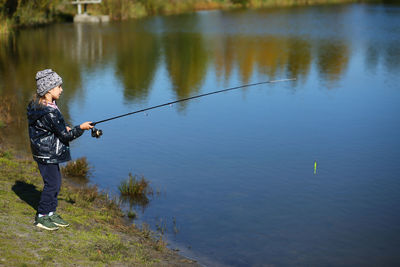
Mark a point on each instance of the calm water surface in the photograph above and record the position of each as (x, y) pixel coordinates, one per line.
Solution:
(235, 171)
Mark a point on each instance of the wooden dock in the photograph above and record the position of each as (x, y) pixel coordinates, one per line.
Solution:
(83, 16)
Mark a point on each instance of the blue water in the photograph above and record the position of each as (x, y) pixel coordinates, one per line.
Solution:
(235, 170)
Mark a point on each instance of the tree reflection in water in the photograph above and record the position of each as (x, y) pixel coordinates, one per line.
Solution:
(179, 45)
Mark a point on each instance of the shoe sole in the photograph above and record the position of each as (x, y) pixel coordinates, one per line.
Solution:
(61, 225)
(47, 228)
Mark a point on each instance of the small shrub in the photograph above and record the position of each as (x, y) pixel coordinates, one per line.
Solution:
(77, 168)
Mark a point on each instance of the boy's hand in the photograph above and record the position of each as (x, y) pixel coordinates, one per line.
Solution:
(86, 125)
(68, 129)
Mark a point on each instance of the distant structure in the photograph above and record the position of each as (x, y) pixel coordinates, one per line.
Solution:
(79, 4)
(84, 17)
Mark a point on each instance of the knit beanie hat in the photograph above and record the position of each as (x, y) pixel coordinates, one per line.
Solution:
(46, 80)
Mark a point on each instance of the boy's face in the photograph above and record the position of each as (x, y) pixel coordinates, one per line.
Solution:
(56, 92)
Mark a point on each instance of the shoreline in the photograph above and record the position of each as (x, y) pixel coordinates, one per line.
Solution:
(59, 12)
(99, 234)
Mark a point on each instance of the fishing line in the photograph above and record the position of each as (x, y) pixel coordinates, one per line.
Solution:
(97, 133)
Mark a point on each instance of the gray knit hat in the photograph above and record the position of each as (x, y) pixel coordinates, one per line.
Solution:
(46, 80)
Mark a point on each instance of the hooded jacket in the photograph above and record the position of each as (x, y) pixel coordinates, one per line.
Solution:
(48, 134)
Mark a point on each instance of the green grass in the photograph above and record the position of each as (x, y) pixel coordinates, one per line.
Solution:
(99, 234)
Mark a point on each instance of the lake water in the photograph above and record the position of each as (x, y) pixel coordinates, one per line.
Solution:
(235, 171)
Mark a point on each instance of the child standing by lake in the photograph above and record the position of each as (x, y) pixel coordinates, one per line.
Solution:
(50, 136)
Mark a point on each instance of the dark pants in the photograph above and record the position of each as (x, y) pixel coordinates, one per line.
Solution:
(52, 183)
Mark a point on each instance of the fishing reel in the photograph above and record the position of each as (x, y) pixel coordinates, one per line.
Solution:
(96, 132)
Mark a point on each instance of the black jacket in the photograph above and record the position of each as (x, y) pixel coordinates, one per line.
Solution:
(48, 134)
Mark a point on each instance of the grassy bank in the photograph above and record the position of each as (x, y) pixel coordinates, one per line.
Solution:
(126, 9)
(99, 233)
(14, 13)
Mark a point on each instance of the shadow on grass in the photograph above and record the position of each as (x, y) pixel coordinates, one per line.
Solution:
(28, 193)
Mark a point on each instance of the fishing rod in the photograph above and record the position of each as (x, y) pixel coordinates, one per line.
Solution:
(97, 133)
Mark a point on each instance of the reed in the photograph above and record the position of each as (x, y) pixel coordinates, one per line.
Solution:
(79, 168)
(135, 187)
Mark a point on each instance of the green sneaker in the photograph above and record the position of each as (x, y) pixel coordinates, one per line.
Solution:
(45, 223)
(57, 220)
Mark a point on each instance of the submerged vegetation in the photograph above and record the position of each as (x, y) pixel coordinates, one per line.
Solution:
(136, 190)
(135, 187)
(79, 168)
